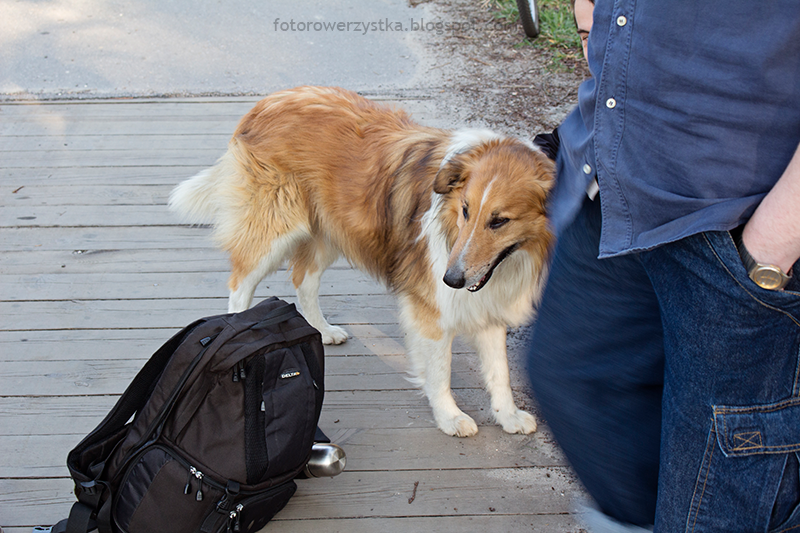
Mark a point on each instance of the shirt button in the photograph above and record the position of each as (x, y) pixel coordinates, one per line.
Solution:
(587, 168)
(611, 103)
(621, 20)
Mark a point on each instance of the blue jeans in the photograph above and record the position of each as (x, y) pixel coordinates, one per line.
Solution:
(671, 381)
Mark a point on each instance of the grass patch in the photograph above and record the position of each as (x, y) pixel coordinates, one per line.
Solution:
(557, 32)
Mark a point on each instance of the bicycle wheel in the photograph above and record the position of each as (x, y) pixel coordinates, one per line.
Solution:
(529, 16)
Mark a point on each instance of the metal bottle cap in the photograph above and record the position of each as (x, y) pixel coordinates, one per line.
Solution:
(327, 460)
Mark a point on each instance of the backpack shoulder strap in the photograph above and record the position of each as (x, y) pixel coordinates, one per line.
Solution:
(131, 401)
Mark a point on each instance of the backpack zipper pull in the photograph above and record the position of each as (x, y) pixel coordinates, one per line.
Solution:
(188, 486)
(199, 475)
(233, 519)
(236, 373)
(242, 373)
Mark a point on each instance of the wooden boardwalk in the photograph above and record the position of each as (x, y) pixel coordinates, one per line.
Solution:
(95, 274)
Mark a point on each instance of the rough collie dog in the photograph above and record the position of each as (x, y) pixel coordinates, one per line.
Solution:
(453, 222)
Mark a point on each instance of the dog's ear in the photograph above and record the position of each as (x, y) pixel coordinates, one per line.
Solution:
(450, 175)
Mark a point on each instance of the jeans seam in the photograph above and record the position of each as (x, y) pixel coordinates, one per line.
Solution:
(694, 509)
(796, 387)
(788, 529)
(745, 289)
(777, 406)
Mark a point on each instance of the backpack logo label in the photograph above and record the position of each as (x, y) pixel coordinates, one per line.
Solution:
(290, 373)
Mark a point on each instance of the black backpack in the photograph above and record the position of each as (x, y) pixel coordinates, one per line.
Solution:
(211, 433)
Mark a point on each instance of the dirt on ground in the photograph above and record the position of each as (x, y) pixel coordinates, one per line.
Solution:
(491, 75)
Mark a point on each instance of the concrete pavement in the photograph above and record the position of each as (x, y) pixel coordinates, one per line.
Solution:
(97, 48)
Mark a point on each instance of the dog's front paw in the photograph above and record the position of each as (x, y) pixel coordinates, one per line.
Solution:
(459, 426)
(516, 421)
(333, 335)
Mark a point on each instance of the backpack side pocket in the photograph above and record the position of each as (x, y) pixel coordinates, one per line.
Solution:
(160, 492)
(254, 512)
(289, 403)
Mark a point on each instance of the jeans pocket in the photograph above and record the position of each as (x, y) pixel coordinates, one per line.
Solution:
(773, 432)
(770, 428)
(786, 300)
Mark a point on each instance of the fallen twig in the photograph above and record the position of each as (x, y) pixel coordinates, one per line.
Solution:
(414, 494)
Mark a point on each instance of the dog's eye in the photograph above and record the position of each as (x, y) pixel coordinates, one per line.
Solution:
(465, 212)
(497, 223)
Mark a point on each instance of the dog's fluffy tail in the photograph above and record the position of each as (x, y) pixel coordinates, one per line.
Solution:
(197, 199)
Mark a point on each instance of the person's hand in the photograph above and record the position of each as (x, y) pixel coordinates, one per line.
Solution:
(772, 235)
(768, 248)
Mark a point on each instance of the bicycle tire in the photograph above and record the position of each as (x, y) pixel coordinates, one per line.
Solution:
(529, 16)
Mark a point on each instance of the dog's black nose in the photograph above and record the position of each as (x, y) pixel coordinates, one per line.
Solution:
(454, 279)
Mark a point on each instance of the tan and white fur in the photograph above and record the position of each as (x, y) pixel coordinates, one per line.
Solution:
(315, 173)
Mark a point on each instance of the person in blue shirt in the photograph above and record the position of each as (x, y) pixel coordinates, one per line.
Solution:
(666, 352)
(582, 15)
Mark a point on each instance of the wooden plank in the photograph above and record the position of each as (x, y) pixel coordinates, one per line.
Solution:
(81, 261)
(121, 107)
(549, 523)
(114, 314)
(106, 174)
(426, 448)
(532, 490)
(26, 146)
(117, 158)
(196, 107)
(112, 376)
(178, 123)
(52, 415)
(119, 118)
(87, 195)
(93, 286)
(474, 492)
(187, 260)
(101, 239)
(79, 216)
(139, 344)
(342, 412)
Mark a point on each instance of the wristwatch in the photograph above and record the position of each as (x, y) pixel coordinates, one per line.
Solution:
(769, 277)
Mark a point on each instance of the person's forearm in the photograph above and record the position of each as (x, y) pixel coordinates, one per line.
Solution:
(772, 235)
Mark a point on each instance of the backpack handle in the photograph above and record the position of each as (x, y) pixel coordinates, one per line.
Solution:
(276, 316)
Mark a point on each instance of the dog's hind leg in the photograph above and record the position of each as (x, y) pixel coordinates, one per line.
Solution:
(491, 346)
(247, 272)
(430, 369)
(308, 264)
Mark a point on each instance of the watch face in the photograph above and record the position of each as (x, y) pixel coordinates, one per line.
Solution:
(767, 277)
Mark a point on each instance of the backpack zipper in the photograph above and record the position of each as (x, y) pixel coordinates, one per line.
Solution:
(193, 472)
(239, 373)
(234, 518)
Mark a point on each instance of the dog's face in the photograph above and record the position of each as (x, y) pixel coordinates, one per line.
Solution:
(496, 193)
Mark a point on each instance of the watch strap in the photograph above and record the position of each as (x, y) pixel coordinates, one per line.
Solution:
(776, 278)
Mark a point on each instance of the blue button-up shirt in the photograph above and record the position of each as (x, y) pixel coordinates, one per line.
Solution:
(691, 116)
